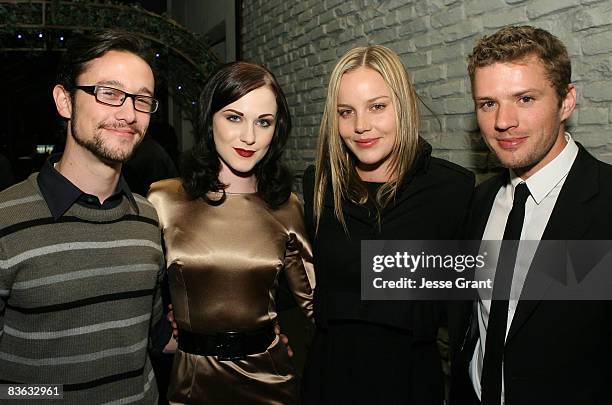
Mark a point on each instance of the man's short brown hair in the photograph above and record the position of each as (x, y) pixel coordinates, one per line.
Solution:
(516, 43)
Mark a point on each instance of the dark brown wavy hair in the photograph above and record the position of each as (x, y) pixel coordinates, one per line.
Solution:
(201, 165)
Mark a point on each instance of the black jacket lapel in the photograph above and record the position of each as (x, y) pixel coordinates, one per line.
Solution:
(570, 220)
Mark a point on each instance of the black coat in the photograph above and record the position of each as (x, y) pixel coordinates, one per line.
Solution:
(556, 352)
(368, 352)
(431, 204)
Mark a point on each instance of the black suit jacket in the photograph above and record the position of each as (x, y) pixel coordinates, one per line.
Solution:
(556, 352)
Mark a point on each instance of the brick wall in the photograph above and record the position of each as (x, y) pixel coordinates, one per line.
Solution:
(301, 40)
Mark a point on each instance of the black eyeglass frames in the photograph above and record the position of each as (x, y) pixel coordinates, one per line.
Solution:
(116, 98)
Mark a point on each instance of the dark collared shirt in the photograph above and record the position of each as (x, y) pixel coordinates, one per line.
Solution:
(60, 194)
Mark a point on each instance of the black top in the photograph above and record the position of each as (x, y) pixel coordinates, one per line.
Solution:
(59, 193)
(431, 204)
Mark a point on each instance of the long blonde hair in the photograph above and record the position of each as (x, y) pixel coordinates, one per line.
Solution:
(336, 163)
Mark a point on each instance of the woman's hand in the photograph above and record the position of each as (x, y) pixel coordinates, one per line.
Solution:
(170, 318)
(284, 339)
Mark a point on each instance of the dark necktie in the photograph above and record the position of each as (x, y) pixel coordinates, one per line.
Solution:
(491, 380)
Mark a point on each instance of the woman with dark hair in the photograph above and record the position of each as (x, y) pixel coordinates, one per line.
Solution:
(230, 226)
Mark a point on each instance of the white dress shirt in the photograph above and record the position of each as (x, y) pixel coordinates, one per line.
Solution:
(544, 186)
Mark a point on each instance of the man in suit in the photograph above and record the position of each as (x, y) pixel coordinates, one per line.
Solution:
(545, 352)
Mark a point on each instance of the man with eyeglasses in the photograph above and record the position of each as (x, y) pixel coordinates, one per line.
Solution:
(80, 255)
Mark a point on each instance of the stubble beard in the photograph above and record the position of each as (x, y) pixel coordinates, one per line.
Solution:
(98, 147)
(524, 162)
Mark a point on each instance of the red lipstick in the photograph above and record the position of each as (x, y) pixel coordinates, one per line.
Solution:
(244, 152)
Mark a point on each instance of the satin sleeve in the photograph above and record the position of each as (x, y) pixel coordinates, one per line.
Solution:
(298, 266)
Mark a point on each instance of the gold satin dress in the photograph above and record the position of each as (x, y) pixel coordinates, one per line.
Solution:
(223, 265)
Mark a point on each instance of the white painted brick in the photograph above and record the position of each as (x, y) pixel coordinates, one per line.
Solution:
(417, 59)
(445, 53)
(334, 26)
(325, 43)
(458, 105)
(593, 115)
(597, 43)
(598, 91)
(428, 7)
(590, 17)
(429, 74)
(374, 24)
(384, 36)
(457, 68)
(327, 4)
(463, 123)
(343, 9)
(404, 46)
(326, 17)
(462, 30)
(469, 159)
(540, 8)
(589, 137)
(369, 13)
(395, 4)
(447, 17)
(417, 25)
(428, 39)
(405, 13)
(391, 18)
(446, 89)
(475, 7)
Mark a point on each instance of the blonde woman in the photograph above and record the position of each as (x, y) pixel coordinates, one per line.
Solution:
(374, 178)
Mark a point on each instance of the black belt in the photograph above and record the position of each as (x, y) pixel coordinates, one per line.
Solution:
(226, 345)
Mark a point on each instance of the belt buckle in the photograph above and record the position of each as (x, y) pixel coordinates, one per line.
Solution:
(230, 346)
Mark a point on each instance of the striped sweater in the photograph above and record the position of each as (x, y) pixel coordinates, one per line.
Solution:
(78, 296)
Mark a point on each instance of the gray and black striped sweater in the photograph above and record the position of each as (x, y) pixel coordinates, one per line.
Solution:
(78, 296)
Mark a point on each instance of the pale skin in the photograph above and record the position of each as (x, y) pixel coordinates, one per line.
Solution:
(242, 132)
(519, 114)
(367, 122)
(120, 129)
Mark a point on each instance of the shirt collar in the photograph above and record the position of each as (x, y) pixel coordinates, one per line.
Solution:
(60, 194)
(544, 180)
